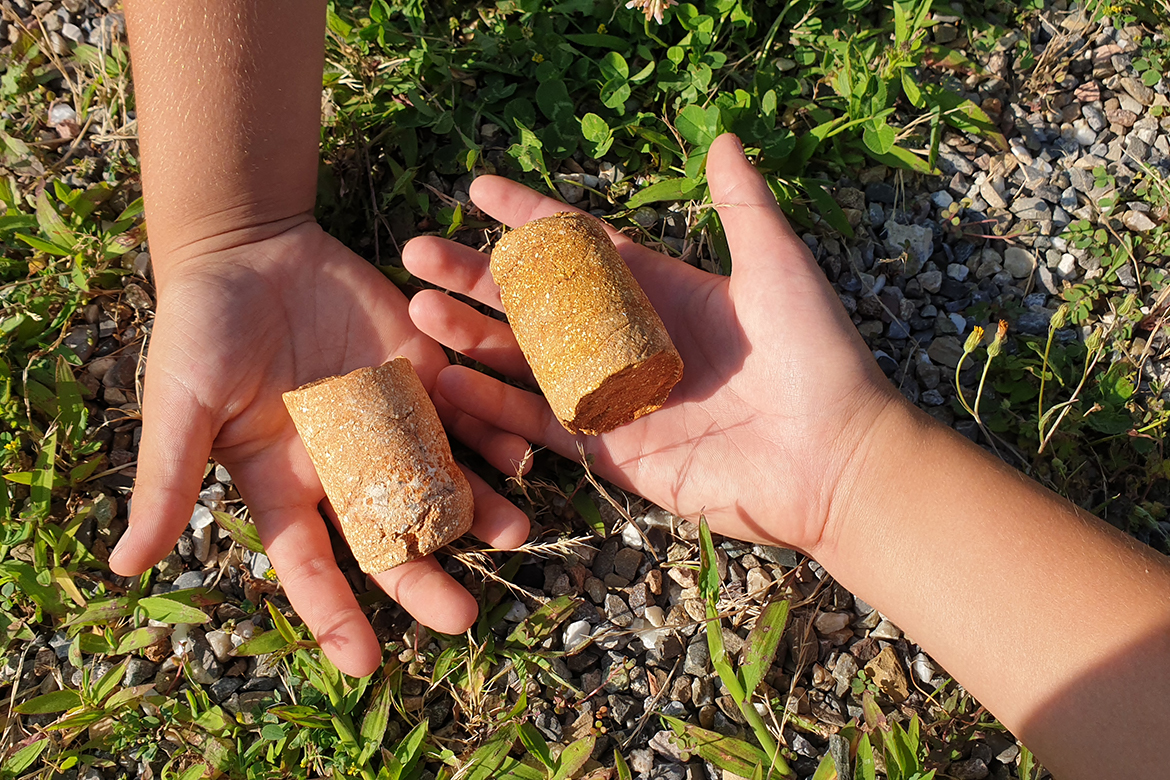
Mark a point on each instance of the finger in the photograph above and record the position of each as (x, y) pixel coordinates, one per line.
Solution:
(177, 433)
(764, 248)
(498, 521)
(456, 325)
(503, 450)
(514, 204)
(669, 283)
(297, 542)
(509, 408)
(454, 267)
(430, 594)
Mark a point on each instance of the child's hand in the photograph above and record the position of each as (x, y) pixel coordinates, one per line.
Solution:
(236, 329)
(778, 390)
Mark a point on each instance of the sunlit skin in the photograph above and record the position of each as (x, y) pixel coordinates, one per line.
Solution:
(255, 299)
(783, 430)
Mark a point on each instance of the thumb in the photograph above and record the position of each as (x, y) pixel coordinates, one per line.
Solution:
(177, 433)
(765, 251)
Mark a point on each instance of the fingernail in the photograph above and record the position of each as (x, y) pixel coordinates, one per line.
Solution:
(738, 143)
(121, 545)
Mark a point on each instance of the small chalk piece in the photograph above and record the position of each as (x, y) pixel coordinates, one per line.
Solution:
(597, 347)
(385, 463)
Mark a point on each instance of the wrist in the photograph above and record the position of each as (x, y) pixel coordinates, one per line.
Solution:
(174, 246)
(898, 434)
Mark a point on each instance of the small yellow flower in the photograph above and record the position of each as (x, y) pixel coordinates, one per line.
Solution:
(12, 446)
(538, 57)
(973, 340)
(601, 29)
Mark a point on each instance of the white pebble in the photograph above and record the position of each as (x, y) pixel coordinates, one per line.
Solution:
(655, 616)
(201, 517)
(516, 612)
(631, 537)
(576, 633)
(181, 641)
(887, 630)
(201, 539)
(221, 645)
(260, 565)
(244, 631)
(959, 322)
(222, 475)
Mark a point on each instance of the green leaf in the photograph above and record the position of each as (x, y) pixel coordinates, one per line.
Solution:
(901, 24)
(71, 412)
(941, 57)
(242, 533)
(107, 611)
(109, 682)
(615, 93)
(866, 768)
(613, 66)
(623, 769)
(410, 749)
(140, 638)
(46, 597)
(301, 715)
(880, 138)
(699, 126)
(585, 507)
(826, 769)
(41, 488)
(541, 623)
(166, 609)
(44, 246)
(57, 701)
(268, 642)
(374, 722)
(708, 572)
(280, 622)
(762, 642)
(24, 758)
(913, 92)
(594, 128)
(960, 113)
(553, 99)
(52, 225)
(733, 755)
(536, 746)
(668, 189)
(826, 205)
(490, 756)
(901, 158)
(574, 757)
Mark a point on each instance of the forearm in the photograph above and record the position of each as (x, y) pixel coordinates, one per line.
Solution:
(1059, 624)
(229, 104)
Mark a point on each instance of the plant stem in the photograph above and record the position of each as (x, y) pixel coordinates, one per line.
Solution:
(1043, 379)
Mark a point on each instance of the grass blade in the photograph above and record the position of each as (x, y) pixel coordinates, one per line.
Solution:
(762, 644)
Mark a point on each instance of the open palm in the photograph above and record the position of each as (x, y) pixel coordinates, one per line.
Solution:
(234, 331)
(778, 390)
